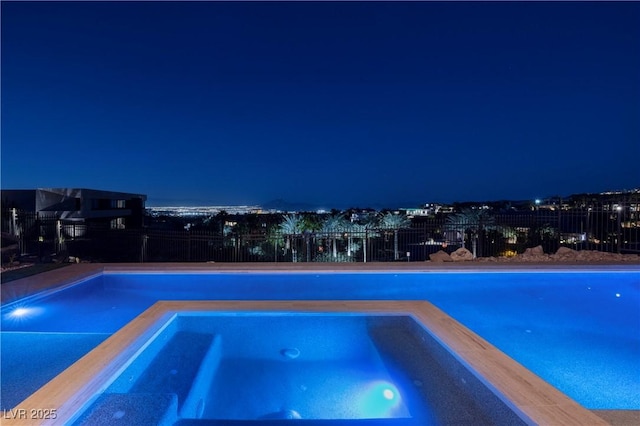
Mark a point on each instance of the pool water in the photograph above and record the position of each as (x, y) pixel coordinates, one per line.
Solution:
(29, 360)
(580, 331)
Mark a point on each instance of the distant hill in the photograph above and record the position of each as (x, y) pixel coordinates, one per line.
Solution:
(287, 206)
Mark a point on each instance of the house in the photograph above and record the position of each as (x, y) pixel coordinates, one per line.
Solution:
(60, 222)
(115, 210)
(428, 209)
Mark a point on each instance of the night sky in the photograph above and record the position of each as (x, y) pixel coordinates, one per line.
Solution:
(333, 104)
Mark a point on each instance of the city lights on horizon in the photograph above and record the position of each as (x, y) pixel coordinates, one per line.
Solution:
(425, 209)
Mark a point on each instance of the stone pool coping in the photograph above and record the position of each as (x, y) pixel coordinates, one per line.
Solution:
(525, 389)
(537, 400)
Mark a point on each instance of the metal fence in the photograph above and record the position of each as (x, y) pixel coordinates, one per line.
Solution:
(614, 230)
(36, 233)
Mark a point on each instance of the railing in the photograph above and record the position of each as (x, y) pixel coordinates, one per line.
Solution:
(614, 230)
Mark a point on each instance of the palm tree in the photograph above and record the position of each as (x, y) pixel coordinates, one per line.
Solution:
(352, 234)
(290, 226)
(363, 232)
(331, 227)
(394, 222)
(471, 221)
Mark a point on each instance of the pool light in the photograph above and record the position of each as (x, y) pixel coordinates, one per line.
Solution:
(379, 400)
(19, 313)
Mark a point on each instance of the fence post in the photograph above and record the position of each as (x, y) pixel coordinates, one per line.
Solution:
(59, 238)
(588, 229)
(619, 232)
(366, 241)
(559, 222)
(40, 237)
(143, 248)
(14, 220)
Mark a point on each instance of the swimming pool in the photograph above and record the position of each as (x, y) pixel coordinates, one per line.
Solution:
(578, 330)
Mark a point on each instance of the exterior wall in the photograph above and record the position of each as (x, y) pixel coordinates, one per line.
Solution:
(80, 205)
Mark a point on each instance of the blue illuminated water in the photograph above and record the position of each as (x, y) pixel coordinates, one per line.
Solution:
(30, 360)
(223, 366)
(580, 331)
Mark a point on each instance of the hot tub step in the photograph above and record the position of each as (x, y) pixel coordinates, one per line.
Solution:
(131, 409)
(168, 367)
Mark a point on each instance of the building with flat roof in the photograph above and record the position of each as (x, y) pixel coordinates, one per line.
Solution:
(117, 210)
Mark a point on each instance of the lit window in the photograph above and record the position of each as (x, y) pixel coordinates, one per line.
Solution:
(117, 223)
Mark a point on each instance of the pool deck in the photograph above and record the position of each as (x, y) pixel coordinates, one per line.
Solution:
(531, 395)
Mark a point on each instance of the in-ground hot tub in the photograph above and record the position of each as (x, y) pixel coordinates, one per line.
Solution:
(248, 366)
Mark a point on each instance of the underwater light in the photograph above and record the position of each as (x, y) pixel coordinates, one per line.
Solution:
(379, 400)
(22, 313)
(19, 312)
